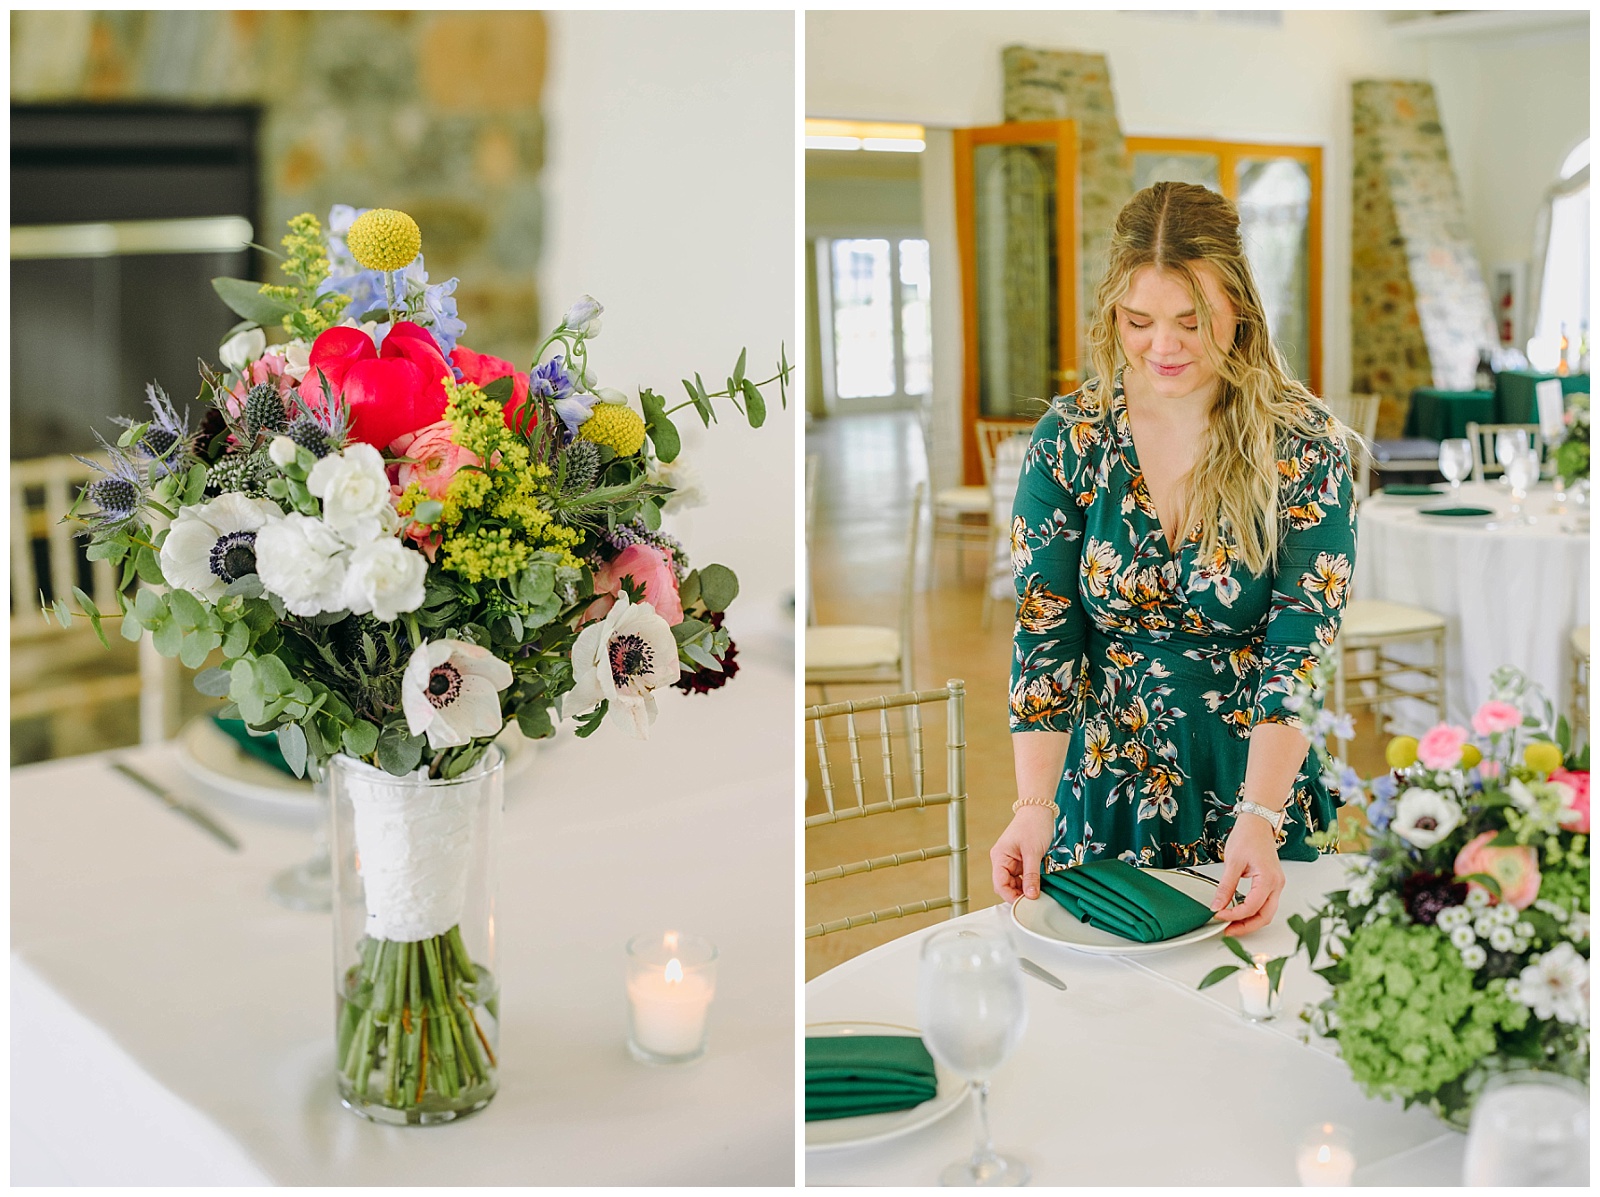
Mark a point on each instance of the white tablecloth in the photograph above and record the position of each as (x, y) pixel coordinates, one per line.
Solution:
(1509, 596)
(1132, 1076)
(170, 1025)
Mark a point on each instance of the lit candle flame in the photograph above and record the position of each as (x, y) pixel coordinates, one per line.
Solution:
(1324, 1154)
(670, 941)
(674, 973)
(1261, 959)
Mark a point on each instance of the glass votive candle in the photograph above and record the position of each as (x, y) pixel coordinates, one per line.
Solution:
(671, 981)
(1324, 1157)
(1256, 997)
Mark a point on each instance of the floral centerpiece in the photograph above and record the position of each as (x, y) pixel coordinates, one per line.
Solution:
(1572, 451)
(399, 546)
(1460, 947)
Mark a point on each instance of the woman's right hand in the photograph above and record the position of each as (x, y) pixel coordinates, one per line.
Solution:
(1016, 854)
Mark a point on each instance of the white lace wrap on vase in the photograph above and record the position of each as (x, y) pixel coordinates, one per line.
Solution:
(414, 850)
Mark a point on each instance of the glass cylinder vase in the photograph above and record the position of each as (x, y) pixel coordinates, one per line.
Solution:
(414, 872)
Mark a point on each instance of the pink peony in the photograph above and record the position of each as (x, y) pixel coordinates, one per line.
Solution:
(649, 567)
(1441, 747)
(1495, 717)
(436, 458)
(1516, 869)
(1576, 815)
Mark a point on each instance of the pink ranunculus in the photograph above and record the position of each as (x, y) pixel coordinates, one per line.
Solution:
(1495, 717)
(436, 458)
(1515, 868)
(269, 367)
(649, 567)
(1575, 817)
(1440, 747)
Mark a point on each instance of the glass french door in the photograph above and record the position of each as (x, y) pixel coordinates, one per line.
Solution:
(1017, 227)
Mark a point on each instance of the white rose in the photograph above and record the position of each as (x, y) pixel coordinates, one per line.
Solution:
(383, 579)
(302, 560)
(239, 350)
(212, 544)
(354, 490)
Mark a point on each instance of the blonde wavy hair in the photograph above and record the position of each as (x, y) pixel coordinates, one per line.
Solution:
(1232, 488)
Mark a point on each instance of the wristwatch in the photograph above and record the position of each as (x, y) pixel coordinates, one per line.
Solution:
(1277, 818)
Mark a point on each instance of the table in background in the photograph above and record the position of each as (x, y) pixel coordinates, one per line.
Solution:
(1438, 415)
(1514, 393)
(1132, 1076)
(1509, 596)
(170, 1025)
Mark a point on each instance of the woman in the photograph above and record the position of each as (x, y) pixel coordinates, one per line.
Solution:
(1183, 539)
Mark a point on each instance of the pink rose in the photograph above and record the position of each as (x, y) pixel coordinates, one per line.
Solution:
(1516, 869)
(1495, 717)
(1575, 817)
(649, 568)
(1441, 747)
(435, 458)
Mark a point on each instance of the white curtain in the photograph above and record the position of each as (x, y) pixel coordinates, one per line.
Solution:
(1563, 222)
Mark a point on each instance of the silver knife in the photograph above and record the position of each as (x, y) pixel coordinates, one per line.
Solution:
(193, 813)
(1033, 970)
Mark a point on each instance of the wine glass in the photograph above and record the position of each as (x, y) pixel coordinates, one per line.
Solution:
(969, 1001)
(1455, 462)
(1508, 442)
(1522, 471)
(1529, 1128)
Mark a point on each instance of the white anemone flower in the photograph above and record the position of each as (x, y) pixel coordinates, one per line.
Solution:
(212, 544)
(451, 691)
(1424, 817)
(1557, 986)
(623, 659)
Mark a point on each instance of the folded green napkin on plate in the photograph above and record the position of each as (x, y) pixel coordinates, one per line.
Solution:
(1410, 489)
(263, 748)
(1112, 895)
(847, 1075)
(1456, 511)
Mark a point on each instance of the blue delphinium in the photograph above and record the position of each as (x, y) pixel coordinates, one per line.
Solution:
(553, 381)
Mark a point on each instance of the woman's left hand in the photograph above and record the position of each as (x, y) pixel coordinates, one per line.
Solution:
(1251, 851)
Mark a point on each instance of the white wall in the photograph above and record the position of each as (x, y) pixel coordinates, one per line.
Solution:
(670, 178)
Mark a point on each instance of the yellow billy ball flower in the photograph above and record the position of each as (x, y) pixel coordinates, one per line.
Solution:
(1470, 756)
(616, 426)
(1402, 752)
(1543, 756)
(384, 239)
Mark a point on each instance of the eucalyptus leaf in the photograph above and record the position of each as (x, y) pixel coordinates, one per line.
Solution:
(755, 406)
(663, 433)
(213, 683)
(718, 587)
(701, 657)
(399, 752)
(167, 638)
(292, 743)
(361, 739)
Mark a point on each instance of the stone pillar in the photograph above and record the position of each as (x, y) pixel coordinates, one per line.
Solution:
(1420, 312)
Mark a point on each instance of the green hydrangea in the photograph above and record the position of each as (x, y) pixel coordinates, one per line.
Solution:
(1409, 1017)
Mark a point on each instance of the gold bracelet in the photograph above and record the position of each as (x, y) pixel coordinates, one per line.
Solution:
(1055, 811)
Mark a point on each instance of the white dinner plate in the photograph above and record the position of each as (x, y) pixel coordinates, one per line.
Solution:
(1045, 918)
(832, 1133)
(210, 757)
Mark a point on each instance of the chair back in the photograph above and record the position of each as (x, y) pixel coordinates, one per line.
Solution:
(991, 433)
(813, 462)
(904, 787)
(42, 491)
(1358, 413)
(1482, 436)
(908, 581)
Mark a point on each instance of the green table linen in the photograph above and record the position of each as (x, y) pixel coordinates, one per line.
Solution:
(848, 1075)
(1112, 895)
(263, 748)
(1515, 399)
(1440, 415)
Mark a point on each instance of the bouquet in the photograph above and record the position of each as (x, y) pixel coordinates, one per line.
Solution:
(399, 546)
(1460, 947)
(1572, 451)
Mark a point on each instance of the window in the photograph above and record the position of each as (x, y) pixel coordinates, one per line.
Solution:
(876, 290)
(1563, 283)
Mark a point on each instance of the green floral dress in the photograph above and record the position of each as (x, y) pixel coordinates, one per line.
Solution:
(1159, 664)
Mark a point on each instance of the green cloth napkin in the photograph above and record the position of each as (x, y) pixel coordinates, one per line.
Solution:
(1112, 895)
(1457, 511)
(263, 748)
(847, 1075)
(1408, 489)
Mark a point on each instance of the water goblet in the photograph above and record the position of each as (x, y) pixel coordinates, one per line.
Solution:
(1522, 471)
(972, 1011)
(1455, 462)
(1508, 442)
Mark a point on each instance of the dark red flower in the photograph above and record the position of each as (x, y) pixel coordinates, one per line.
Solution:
(1426, 894)
(389, 393)
(702, 681)
(481, 369)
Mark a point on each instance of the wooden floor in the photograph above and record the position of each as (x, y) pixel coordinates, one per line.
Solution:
(867, 468)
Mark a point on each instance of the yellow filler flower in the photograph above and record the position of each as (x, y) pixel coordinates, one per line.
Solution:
(616, 426)
(384, 239)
